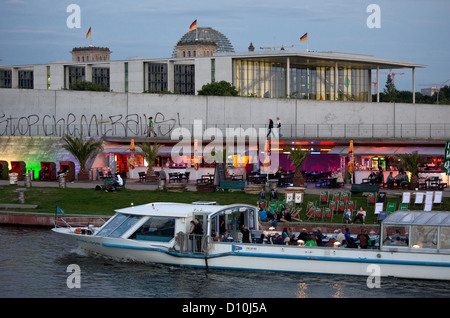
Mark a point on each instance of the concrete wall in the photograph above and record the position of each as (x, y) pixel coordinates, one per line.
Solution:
(52, 113)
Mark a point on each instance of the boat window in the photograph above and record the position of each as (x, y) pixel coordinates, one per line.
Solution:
(444, 238)
(423, 236)
(125, 226)
(112, 224)
(159, 229)
(395, 235)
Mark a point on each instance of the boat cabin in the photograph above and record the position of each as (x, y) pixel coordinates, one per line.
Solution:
(416, 231)
(162, 223)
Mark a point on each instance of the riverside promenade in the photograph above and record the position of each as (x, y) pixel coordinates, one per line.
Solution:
(30, 218)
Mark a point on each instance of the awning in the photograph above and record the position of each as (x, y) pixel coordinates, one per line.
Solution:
(387, 151)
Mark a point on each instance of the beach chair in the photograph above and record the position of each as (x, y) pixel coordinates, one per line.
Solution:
(324, 197)
(403, 207)
(328, 213)
(280, 205)
(351, 205)
(345, 196)
(341, 207)
(378, 207)
(273, 205)
(419, 198)
(333, 206)
(310, 210)
(318, 213)
(390, 207)
(337, 196)
(406, 197)
(428, 207)
(371, 198)
(437, 197)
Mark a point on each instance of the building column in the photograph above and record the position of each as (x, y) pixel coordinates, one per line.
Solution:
(170, 76)
(14, 77)
(288, 77)
(336, 78)
(378, 83)
(414, 84)
(88, 73)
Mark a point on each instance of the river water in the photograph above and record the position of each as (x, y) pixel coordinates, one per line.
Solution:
(34, 263)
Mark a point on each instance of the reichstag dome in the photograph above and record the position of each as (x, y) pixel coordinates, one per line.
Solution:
(205, 34)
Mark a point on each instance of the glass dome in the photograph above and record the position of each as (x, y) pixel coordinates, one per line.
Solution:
(206, 34)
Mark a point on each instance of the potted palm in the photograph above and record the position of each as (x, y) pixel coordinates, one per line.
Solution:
(82, 150)
(298, 156)
(410, 162)
(150, 153)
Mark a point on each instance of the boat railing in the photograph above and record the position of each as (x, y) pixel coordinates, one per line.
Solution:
(192, 243)
(91, 223)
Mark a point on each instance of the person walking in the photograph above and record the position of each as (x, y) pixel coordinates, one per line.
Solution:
(269, 131)
(279, 127)
(151, 127)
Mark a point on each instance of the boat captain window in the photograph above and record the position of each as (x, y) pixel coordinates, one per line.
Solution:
(444, 238)
(396, 235)
(423, 236)
(159, 229)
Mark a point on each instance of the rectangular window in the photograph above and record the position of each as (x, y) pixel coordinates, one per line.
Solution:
(112, 224)
(423, 236)
(213, 70)
(126, 77)
(5, 79)
(25, 79)
(157, 77)
(48, 77)
(100, 76)
(395, 235)
(184, 79)
(156, 229)
(76, 74)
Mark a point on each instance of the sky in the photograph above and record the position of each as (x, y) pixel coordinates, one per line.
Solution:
(37, 32)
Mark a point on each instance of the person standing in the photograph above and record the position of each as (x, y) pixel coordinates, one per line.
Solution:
(246, 236)
(151, 127)
(198, 233)
(279, 127)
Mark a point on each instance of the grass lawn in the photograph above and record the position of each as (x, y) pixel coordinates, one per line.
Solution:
(92, 202)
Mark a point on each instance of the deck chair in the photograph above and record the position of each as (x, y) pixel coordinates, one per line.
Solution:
(328, 213)
(310, 210)
(428, 201)
(318, 213)
(419, 198)
(337, 196)
(280, 205)
(403, 206)
(333, 206)
(351, 205)
(273, 205)
(406, 197)
(371, 198)
(341, 207)
(390, 207)
(378, 207)
(345, 196)
(437, 197)
(323, 197)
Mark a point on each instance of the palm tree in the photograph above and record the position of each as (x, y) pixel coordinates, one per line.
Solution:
(150, 154)
(410, 162)
(82, 150)
(298, 156)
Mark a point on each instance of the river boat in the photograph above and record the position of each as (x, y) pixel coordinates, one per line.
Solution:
(413, 244)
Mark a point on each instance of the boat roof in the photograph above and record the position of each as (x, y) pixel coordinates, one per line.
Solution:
(178, 210)
(418, 218)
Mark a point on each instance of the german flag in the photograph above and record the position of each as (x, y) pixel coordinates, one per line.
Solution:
(304, 37)
(88, 33)
(193, 25)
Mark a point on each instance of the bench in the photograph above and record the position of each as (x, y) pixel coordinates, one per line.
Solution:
(232, 185)
(365, 187)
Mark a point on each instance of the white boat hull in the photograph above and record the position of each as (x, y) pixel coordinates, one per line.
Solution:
(285, 258)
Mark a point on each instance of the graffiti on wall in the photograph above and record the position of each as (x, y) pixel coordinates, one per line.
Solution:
(93, 126)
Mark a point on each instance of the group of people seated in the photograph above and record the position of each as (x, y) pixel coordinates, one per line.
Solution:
(400, 180)
(267, 214)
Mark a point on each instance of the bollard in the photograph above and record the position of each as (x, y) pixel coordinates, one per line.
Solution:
(21, 195)
(27, 179)
(62, 181)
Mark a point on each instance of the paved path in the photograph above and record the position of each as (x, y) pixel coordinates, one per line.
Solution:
(134, 184)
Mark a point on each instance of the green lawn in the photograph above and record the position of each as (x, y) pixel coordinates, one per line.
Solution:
(90, 201)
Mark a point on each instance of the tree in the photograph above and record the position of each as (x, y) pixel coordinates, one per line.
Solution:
(410, 162)
(82, 150)
(222, 88)
(390, 91)
(298, 156)
(150, 154)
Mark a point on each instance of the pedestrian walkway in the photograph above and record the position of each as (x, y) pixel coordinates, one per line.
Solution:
(135, 184)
